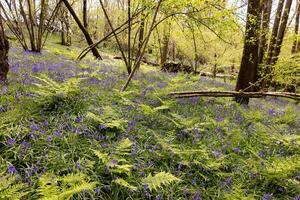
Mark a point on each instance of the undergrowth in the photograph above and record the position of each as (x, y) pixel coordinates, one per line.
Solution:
(67, 132)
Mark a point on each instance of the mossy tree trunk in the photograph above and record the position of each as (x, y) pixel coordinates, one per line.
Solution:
(249, 65)
(4, 48)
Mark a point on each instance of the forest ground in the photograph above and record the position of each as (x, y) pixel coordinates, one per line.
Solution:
(66, 131)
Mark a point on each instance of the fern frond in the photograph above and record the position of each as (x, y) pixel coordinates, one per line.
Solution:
(10, 189)
(124, 147)
(160, 179)
(124, 183)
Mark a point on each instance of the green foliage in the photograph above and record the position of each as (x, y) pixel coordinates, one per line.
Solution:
(52, 187)
(124, 183)
(116, 161)
(10, 188)
(158, 180)
(109, 118)
(52, 96)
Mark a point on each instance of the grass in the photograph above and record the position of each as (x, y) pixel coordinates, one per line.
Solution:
(67, 132)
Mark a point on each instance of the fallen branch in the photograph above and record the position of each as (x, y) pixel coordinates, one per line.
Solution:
(189, 94)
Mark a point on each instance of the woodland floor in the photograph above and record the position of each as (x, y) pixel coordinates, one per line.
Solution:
(66, 131)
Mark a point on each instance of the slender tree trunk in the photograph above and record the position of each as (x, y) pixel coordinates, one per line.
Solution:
(63, 33)
(165, 45)
(273, 37)
(85, 14)
(265, 25)
(129, 36)
(4, 48)
(84, 31)
(296, 41)
(281, 31)
(249, 64)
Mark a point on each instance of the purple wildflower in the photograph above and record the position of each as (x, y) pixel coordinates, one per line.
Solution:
(35, 69)
(131, 125)
(56, 133)
(162, 84)
(77, 165)
(196, 196)
(34, 127)
(262, 153)
(11, 141)
(79, 119)
(297, 197)
(97, 190)
(12, 170)
(146, 190)
(267, 196)
(236, 149)
(228, 181)
(219, 119)
(101, 127)
(50, 138)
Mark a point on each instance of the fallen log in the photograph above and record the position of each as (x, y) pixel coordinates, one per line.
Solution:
(189, 94)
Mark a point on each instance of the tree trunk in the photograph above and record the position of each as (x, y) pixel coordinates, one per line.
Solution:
(84, 31)
(295, 47)
(265, 25)
(4, 48)
(63, 34)
(281, 31)
(249, 64)
(85, 15)
(165, 45)
(273, 38)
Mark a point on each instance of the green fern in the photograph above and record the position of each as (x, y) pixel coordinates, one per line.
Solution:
(116, 161)
(109, 118)
(51, 187)
(160, 179)
(10, 189)
(124, 183)
(50, 88)
(124, 147)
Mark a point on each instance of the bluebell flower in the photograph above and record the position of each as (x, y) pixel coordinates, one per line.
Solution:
(146, 190)
(162, 84)
(262, 153)
(297, 197)
(97, 190)
(11, 141)
(101, 126)
(131, 125)
(34, 127)
(196, 196)
(11, 169)
(267, 196)
(79, 119)
(77, 165)
(228, 181)
(35, 69)
(50, 138)
(236, 149)
(56, 133)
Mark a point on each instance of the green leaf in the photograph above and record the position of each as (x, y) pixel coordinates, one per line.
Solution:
(160, 179)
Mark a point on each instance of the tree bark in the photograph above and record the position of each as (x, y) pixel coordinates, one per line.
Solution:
(265, 25)
(4, 48)
(249, 65)
(85, 15)
(296, 43)
(165, 45)
(273, 37)
(281, 31)
(84, 31)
